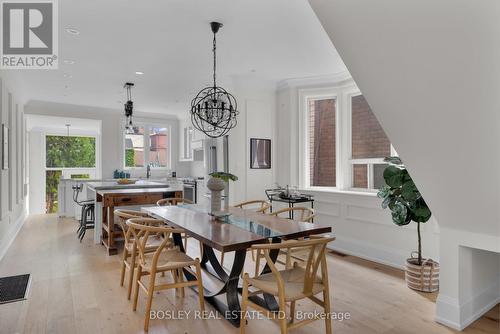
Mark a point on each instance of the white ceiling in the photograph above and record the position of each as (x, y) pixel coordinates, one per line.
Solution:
(170, 41)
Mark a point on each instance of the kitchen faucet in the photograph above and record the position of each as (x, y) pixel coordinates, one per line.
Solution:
(148, 171)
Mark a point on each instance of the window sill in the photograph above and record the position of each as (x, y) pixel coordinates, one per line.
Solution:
(367, 193)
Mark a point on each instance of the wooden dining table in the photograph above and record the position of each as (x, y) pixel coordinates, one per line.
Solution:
(234, 233)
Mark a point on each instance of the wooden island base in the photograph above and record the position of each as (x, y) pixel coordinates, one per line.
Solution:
(111, 233)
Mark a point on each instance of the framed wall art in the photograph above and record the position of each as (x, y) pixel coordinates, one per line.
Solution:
(260, 153)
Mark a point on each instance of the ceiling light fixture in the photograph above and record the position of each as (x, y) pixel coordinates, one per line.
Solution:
(214, 110)
(69, 61)
(129, 108)
(67, 75)
(73, 31)
(139, 73)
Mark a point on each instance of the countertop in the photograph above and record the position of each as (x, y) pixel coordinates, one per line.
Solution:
(111, 185)
(130, 191)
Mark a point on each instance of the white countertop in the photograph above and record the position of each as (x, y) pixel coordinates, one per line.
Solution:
(102, 185)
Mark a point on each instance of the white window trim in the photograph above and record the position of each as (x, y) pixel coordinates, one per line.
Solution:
(147, 126)
(344, 161)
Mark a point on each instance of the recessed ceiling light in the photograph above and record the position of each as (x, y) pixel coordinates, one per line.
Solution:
(139, 73)
(67, 75)
(69, 61)
(73, 31)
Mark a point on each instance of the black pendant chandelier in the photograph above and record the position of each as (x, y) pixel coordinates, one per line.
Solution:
(213, 110)
(129, 108)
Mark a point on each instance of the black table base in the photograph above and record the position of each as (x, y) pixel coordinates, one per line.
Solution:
(231, 309)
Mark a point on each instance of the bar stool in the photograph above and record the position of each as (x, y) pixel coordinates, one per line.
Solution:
(87, 218)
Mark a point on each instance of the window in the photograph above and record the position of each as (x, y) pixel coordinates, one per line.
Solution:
(66, 157)
(134, 147)
(322, 137)
(70, 152)
(158, 147)
(147, 145)
(342, 143)
(369, 146)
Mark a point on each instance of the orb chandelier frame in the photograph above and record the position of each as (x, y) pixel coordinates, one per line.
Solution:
(214, 110)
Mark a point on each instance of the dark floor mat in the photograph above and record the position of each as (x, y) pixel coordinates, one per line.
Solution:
(13, 288)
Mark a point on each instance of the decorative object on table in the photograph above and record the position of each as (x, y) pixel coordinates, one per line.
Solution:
(401, 196)
(126, 181)
(129, 108)
(5, 147)
(217, 183)
(214, 110)
(260, 153)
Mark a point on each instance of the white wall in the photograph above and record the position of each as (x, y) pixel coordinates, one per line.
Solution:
(361, 226)
(13, 180)
(429, 70)
(257, 106)
(36, 190)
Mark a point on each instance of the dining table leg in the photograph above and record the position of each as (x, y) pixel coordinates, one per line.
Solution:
(231, 309)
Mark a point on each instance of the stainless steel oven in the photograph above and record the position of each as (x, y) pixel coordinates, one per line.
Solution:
(190, 190)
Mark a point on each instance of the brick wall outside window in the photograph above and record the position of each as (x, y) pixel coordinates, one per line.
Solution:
(368, 141)
(368, 138)
(322, 152)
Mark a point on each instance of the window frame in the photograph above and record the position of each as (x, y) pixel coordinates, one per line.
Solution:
(343, 140)
(305, 95)
(147, 145)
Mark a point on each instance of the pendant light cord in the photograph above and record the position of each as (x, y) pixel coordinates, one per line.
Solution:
(215, 62)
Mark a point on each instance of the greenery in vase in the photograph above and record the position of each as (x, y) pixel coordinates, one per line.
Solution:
(224, 176)
(401, 196)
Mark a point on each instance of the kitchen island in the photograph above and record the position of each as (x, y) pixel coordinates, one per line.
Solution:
(110, 194)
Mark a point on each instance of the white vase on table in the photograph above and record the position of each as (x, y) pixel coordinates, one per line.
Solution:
(216, 186)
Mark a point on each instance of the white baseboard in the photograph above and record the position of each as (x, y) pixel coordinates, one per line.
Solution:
(7, 240)
(369, 251)
(459, 316)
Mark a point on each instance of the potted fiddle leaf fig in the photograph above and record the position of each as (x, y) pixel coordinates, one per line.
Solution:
(216, 184)
(401, 196)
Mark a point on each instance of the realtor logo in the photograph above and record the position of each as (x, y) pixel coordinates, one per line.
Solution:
(29, 34)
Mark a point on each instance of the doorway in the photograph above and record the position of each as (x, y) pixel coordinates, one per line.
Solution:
(61, 150)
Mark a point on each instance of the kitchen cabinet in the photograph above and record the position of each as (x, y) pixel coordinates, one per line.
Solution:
(190, 140)
(186, 142)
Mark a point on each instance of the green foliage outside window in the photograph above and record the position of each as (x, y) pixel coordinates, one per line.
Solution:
(52, 178)
(130, 157)
(70, 152)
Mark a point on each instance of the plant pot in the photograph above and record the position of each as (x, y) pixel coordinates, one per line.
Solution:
(215, 185)
(423, 277)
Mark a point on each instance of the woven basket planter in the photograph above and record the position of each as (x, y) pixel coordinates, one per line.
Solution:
(423, 277)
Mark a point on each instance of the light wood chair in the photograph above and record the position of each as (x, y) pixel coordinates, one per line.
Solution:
(173, 201)
(262, 205)
(290, 285)
(128, 261)
(258, 205)
(177, 201)
(306, 215)
(163, 259)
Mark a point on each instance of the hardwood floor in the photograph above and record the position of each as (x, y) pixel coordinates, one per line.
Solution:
(75, 289)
